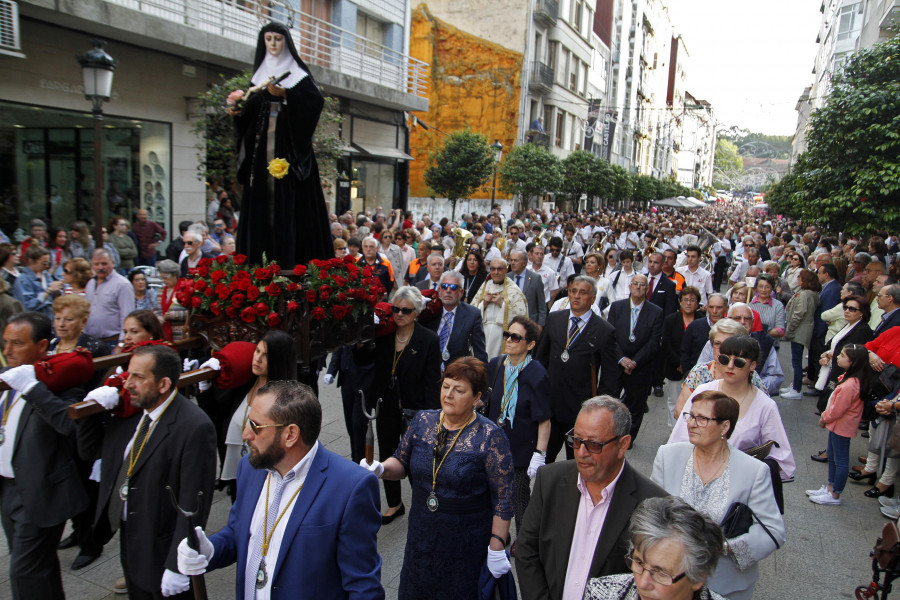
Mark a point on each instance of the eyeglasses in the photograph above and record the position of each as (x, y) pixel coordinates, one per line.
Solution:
(852, 309)
(592, 446)
(404, 310)
(255, 427)
(513, 337)
(450, 286)
(638, 566)
(699, 419)
(739, 362)
(189, 243)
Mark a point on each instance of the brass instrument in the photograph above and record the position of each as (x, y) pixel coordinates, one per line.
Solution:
(499, 240)
(462, 238)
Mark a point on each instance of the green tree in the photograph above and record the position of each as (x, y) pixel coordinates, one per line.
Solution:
(849, 178)
(624, 183)
(215, 129)
(582, 175)
(728, 164)
(461, 166)
(528, 171)
(644, 188)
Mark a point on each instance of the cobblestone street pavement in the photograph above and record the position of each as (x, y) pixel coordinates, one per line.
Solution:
(826, 555)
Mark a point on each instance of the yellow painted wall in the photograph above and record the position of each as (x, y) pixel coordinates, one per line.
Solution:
(473, 83)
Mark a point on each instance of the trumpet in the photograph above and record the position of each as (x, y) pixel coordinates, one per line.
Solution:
(462, 240)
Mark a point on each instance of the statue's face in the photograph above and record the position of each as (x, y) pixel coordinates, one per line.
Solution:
(274, 43)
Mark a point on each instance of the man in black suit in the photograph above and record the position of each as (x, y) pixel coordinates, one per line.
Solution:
(639, 326)
(889, 301)
(697, 333)
(555, 541)
(171, 442)
(576, 347)
(531, 285)
(39, 482)
(661, 292)
(434, 266)
(462, 322)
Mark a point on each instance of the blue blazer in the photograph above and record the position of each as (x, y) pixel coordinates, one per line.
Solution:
(828, 298)
(467, 335)
(330, 547)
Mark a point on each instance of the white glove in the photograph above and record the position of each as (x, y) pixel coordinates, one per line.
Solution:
(119, 370)
(106, 396)
(498, 562)
(174, 583)
(376, 467)
(537, 461)
(190, 365)
(192, 562)
(328, 379)
(21, 379)
(213, 364)
(204, 385)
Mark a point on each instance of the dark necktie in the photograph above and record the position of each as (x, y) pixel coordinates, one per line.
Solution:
(519, 281)
(115, 501)
(652, 279)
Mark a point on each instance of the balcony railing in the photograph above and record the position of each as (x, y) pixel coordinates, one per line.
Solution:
(541, 76)
(538, 139)
(547, 10)
(318, 42)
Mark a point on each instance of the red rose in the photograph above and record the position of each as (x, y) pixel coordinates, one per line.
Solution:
(262, 274)
(240, 259)
(252, 293)
(274, 269)
(205, 262)
(215, 308)
(234, 285)
(324, 294)
(218, 276)
(349, 260)
(342, 297)
(293, 287)
(371, 300)
(310, 296)
(300, 270)
(319, 263)
(223, 291)
(199, 285)
(273, 289)
(323, 274)
(248, 315)
(367, 281)
(243, 284)
(196, 301)
(237, 300)
(203, 271)
(222, 259)
(353, 275)
(231, 312)
(210, 292)
(318, 313)
(336, 262)
(367, 271)
(340, 281)
(261, 308)
(292, 306)
(339, 311)
(273, 319)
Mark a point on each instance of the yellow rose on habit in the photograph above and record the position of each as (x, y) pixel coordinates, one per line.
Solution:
(278, 168)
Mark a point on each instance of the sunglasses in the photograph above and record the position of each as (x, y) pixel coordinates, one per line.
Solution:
(513, 337)
(739, 362)
(405, 311)
(592, 446)
(189, 243)
(450, 286)
(255, 427)
(852, 309)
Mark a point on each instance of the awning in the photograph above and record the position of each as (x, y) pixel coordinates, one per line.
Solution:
(348, 150)
(383, 151)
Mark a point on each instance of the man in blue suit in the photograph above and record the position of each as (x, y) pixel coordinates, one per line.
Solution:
(829, 297)
(305, 521)
(459, 328)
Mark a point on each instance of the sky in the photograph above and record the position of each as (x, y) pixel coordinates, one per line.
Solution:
(750, 60)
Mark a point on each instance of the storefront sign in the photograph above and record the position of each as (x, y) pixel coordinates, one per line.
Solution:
(66, 87)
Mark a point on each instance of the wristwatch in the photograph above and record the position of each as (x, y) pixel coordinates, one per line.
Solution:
(542, 453)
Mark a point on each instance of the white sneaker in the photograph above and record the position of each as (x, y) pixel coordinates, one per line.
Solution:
(887, 502)
(820, 491)
(790, 394)
(891, 513)
(825, 499)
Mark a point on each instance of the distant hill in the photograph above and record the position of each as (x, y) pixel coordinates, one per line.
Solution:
(758, 145)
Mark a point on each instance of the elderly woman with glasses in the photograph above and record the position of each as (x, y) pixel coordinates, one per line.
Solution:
(709, 472)
(519, 402)
(405, 369)
(672, 551)
(171, 314)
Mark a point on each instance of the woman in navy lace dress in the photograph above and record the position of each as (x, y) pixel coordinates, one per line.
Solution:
(461, 470)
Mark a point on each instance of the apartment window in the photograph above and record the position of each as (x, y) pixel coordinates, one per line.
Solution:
(584, 79)
(552, 53)
(538, 47)
(560, 128)
(564, 63)
(548, 117)
(847, 19)
(576, 18)
(372, 30)
(573, 74)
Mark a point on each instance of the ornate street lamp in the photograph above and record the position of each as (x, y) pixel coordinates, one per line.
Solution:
(97, 69)
(497, 147)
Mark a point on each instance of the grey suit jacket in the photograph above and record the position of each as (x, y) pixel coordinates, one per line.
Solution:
(750, 482)
(425, 284)
(544, 543)
(533, 288)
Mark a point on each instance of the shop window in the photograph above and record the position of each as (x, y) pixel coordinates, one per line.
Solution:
(372, 185)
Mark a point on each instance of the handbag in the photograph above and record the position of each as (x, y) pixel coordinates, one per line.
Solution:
(762, 451)
(739, 518)
(887, 547)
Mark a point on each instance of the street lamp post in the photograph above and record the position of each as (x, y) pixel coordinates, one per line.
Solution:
(97, 69)
(497, 147)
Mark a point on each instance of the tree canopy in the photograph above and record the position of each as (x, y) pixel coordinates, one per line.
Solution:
(728, 164)
(849, 177)
(461, 166)
(529, 170)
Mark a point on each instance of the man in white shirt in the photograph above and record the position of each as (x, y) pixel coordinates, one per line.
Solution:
(695, 275)
(490, 250)
(548, 277)
(572, 248)
(561, 265)
(620, 282)
(329, 507)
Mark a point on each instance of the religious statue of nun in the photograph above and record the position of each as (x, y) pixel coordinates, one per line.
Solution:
(283, 214)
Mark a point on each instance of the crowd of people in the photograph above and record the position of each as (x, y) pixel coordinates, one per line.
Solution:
(496, 350)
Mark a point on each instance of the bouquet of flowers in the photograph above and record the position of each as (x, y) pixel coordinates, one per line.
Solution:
(338, 288)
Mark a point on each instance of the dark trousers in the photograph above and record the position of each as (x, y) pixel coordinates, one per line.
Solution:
(83, 523)
(33, 564)
(719, 272)
(522, 494)
(816, 348)
(134, 593)
(389, 427)
(777, 488)
(637, 388)
(355, 421)
(558, 433)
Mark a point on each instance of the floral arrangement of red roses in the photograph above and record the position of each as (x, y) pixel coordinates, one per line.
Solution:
(226, 285)
(338, 287)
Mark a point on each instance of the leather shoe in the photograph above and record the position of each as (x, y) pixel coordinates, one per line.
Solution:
(862, 460)
(385, 519)
(120, 586)
(67, 542)
(877, 493)
(862, 477)
(83, 560)
(820, 457)
(658, 391)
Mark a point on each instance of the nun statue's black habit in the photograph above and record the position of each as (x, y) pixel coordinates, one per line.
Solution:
(287, 219)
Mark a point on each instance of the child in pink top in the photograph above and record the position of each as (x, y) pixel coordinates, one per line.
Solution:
(841, 418)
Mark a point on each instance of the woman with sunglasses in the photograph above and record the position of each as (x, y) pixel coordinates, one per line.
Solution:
(519, 402)
(406, 378)
(855, 331)
(708, 471)
(759, 420)
(461, 471)
(474, 273)
(791, 273)
(800, 313)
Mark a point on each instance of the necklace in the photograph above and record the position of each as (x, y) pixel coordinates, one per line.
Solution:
(720, 464)
(7, 408)
(432, 502)
(61, 350)
(261, 576)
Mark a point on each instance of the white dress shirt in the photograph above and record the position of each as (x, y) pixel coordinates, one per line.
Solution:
(10, 431)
